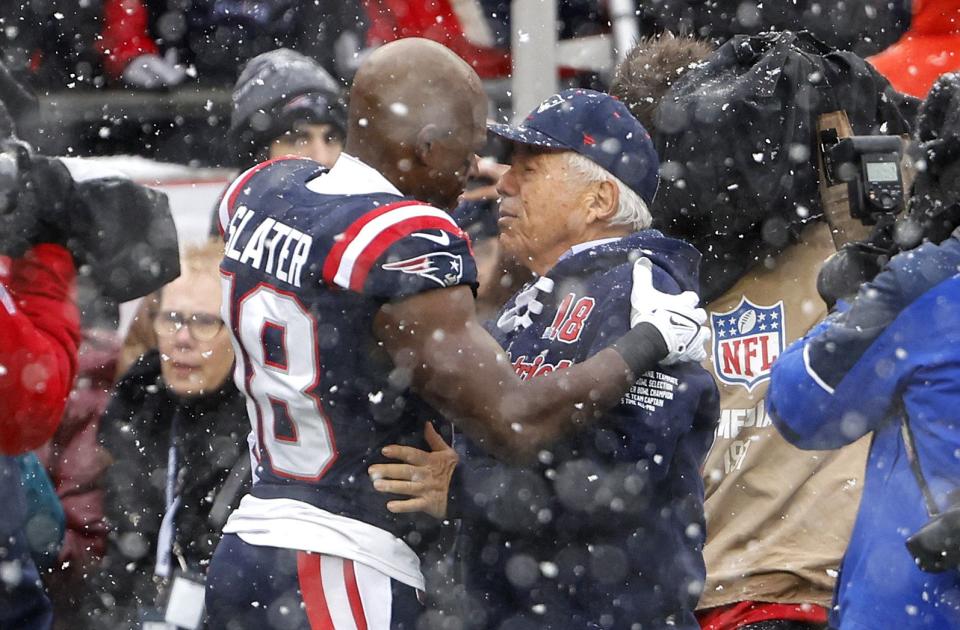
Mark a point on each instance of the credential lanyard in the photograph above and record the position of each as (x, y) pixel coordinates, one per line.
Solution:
(165, 538)
(913, 458)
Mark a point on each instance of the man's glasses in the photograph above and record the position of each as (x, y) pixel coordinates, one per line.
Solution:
(201, 326)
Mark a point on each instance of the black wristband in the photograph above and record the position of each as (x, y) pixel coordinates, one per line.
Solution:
(641, 348)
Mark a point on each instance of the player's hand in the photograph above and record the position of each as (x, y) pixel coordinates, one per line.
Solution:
(423, 476)
(676, 317)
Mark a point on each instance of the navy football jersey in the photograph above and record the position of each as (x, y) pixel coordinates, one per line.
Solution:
(310, 258)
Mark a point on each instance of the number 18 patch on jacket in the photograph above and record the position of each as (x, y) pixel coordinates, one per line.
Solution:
(310, 258)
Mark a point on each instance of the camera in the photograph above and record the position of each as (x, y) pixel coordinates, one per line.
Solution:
(870, 166)
(936, 546)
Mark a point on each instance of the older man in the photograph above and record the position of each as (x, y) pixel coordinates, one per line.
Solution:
(606, 530)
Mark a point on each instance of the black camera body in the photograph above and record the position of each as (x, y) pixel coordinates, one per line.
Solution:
(935, 547)
(870, 166)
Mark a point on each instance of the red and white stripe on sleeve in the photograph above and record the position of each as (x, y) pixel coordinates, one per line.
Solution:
(357, 249)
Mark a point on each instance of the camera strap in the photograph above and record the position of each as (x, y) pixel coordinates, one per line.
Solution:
(223, 500)
(913, 457)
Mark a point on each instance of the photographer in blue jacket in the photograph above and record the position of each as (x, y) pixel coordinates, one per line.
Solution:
(889, 364)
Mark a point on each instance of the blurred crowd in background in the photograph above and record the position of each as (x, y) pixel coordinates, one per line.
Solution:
(195, 50)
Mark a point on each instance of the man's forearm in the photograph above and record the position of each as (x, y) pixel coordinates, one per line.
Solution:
(459, 368)
(551, 406)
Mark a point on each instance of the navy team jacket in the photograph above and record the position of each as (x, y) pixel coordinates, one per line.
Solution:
(608, 529)
(895, 351)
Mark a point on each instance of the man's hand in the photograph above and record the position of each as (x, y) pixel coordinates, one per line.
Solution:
(676, 317)
(423, 476)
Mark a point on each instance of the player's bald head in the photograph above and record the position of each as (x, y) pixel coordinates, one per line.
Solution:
(407, 97)
(408, 83)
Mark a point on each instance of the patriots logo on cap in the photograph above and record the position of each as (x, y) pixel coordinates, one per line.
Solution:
(550, 103)
(444, 268)
(746, 342)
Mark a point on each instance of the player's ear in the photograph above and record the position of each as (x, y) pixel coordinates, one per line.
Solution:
(427, 144)
(602, 201)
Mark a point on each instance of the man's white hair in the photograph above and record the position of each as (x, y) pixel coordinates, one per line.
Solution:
(632, 212)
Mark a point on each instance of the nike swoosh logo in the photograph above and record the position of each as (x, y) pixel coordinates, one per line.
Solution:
(683, 322)
(443, 239)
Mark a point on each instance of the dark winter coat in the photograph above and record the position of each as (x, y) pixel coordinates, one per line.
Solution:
(608, 529)
(213, 473)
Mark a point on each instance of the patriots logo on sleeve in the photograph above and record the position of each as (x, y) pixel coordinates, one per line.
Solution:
(444, 268)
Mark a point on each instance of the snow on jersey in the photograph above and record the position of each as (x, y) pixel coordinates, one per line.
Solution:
(310, 258)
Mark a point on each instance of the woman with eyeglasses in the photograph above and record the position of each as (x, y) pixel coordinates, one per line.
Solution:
(176, 428)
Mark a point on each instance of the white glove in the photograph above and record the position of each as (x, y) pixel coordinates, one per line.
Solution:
(152, 72)
(676, 317)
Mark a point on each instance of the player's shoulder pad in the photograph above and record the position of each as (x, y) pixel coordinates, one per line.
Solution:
(272, 178)
(405, 238)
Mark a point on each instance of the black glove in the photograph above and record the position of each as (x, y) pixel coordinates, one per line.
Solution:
(843, 273)
(36, 195)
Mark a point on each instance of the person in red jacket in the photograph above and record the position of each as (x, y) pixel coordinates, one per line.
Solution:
(55, 215)
(129, 51)
(930, 48)
(39, 334)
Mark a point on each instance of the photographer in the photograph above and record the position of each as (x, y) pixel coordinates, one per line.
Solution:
(887, 366)
(39, 333)
(56, 217)
(760, 223)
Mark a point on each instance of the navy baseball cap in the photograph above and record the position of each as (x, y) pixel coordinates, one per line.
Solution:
(598, 127)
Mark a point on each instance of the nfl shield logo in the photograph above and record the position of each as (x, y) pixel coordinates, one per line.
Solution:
(746, 342)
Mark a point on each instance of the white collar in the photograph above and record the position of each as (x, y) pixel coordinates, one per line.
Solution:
(580, 247)
(350, 176)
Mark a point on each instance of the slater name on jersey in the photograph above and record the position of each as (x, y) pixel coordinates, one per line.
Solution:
(275, 248)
